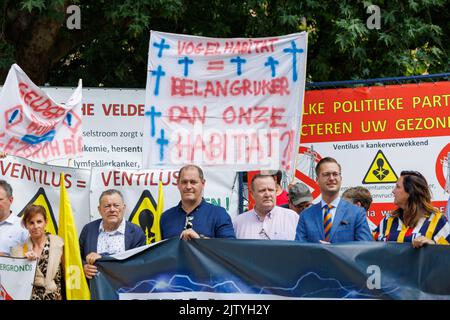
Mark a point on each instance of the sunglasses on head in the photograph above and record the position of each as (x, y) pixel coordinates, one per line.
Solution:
(412, 173)
(188, 224)
(263, 234)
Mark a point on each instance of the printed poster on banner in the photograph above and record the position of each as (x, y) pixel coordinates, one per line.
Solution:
(224, 102)
(142, 197)
(113, 121)
(35, 183)
(375, 133)
(16, 278)
(33, 125)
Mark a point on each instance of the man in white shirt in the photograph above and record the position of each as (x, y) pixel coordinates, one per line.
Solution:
(265, 221)
(11, 231)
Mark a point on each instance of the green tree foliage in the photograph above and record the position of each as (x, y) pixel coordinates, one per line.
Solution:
(112, 46)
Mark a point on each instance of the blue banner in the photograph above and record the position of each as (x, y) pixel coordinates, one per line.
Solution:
(254, 269)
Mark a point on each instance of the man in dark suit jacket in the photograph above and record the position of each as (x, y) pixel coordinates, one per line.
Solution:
(109, 235)
(332, 220)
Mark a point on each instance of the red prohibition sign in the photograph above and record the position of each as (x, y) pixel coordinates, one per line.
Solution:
(441, 159)
(306, 179)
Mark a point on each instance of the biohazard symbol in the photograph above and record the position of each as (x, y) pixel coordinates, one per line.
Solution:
(40, 198)
(380, 171)
(147, 214)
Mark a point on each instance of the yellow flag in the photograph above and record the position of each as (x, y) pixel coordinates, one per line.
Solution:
(159, 211)
(76, 284)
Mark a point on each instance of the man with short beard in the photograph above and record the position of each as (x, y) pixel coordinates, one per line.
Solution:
(332, 220)
(193, 217)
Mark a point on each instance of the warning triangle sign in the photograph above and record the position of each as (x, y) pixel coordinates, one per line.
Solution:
(380, 171)
(40, 198)
(145, 216)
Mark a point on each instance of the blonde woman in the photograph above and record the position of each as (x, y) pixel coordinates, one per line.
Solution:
(47, 249)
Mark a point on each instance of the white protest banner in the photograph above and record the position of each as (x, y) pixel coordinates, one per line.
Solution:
(224, 102)
(39, 184)
(16, 278)
(140, 191)
(33, 125)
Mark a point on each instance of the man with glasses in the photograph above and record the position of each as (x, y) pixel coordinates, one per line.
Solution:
(265, 221)
(332, 220)
(193, 217)
(109, 235)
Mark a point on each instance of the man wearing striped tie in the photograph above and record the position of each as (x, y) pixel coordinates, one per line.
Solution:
(333, 219)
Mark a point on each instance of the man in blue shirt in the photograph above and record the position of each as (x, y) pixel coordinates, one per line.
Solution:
(193, 217)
